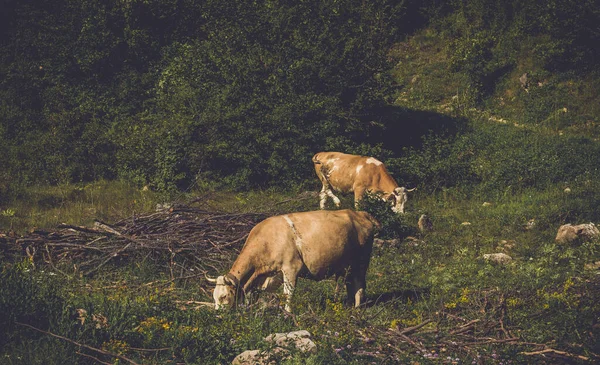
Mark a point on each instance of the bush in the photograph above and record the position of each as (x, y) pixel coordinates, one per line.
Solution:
(393, 225)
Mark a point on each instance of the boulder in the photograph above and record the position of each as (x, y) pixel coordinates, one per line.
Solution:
(297, 340)
(497, 258)
(258, 357)
(580, 233)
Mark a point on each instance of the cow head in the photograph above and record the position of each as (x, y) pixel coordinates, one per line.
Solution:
(225, 291)
(398, 198)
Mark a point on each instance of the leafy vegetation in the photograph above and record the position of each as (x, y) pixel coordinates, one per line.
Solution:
(490, 108)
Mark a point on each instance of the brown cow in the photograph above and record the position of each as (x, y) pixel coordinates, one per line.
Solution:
(346, 173)
(315, 245)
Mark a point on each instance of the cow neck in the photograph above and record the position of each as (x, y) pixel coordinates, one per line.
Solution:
(241, 271)
(233, 278)
(245, 266)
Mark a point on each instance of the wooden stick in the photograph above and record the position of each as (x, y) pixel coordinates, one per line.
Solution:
(409, 330)
(563, 353)
(465, 327)
(105, 227)
(81, 228)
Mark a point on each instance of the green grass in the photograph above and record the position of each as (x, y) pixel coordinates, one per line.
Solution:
(544, 296)
(46, 207)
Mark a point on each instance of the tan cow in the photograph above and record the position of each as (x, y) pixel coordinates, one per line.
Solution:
(346, 173)
(315, 245)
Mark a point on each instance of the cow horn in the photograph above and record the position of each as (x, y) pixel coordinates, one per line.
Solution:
(209, 279)
(413, 189)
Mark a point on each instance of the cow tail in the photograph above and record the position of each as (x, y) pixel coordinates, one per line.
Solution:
(316, 160)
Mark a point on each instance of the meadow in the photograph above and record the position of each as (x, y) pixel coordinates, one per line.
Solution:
(432, 298)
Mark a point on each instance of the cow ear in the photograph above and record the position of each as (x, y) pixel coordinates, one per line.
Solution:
(227, 280)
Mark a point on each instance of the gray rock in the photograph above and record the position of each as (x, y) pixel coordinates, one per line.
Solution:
(258, 357)
(497, 258)
(583, 232)
(297, 339)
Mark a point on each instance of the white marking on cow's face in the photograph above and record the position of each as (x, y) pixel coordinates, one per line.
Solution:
(401, 197)
(374, 161)
(358, 168)
(297, 238)
(224, 294)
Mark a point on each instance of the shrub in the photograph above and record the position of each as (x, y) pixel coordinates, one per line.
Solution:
(393, 225)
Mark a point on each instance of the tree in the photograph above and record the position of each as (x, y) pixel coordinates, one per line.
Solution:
(274, 82)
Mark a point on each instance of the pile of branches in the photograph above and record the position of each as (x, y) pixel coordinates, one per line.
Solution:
(182, 239)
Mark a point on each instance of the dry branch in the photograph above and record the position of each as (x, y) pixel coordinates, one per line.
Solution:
(409, 330)
(193, 240)
(553, 351)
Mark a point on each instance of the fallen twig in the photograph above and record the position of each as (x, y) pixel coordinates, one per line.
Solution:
(558, 352)
(465, 327)
(106, 227)
(409, 330)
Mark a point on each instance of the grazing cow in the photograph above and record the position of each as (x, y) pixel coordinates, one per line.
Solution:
(315, 245)
(351, 173)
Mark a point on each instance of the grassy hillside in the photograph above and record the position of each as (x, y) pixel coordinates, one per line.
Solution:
(472, 311)
(491, 174)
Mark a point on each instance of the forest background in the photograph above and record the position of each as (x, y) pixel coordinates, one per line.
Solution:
(241, 94)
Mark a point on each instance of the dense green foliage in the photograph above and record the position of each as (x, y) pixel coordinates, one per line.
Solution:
(172, 93)
(163, 92)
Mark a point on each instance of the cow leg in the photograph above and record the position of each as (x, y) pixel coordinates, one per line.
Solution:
(356, 290)
(358, 195)
(344, 274)
(289, 284)
(323, 193)
(337, 284)
(326, 192)
(336, 201)
(356, 282)
(323, 197)
(359, 294)
(272, 283)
